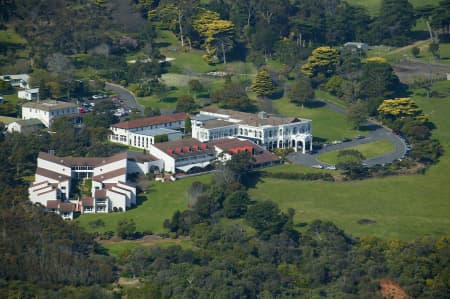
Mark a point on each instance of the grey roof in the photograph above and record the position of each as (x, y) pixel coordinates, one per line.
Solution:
(155, 132)
(217, 124)
(50, 105)
(203, 117)
(29, 122)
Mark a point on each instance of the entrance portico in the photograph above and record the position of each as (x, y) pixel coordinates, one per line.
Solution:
(303, 139)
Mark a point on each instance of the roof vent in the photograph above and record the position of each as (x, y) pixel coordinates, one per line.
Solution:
(262, 115)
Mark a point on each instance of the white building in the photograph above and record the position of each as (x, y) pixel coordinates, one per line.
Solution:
(28, 94)
(125, 132)
(183, 155)
(56, 178)
(19, 80)
(47, 110)
(143, 139)
(25, 125)
(266, 130)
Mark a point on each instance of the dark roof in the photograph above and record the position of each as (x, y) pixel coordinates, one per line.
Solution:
(109, 175)
(211, 124)
(100, 193)
(52, 175)
(87, 202)
(66, 207)
(140, 157)
(265, 157)
(149, 121)
(82, 161)
(52, 204)
(254, 119)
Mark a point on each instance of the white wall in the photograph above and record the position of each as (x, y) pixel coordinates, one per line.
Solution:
(55, 167)
(169, 162)
(117, 200)
(102, 169)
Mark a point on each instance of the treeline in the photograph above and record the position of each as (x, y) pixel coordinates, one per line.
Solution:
(243, 248)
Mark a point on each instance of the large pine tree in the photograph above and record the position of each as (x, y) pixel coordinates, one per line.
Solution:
(263, 84)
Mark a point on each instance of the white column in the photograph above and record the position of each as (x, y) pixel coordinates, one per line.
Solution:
(304, 146)
(310, 144)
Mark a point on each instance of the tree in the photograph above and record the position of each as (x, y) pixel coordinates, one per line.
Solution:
(195, 86)
(233, 96)
(263, 84)
(415, 51)
(217, 34)
(400, 108)
(5, 86)
(126, 229)
(235, 205)
(433, 47)
(301, 92)
(241, 165)
(266, 218)
(351, 161)
(187, 125)
(323, 60)
(394, 22)
(357, 114)
(185, 104)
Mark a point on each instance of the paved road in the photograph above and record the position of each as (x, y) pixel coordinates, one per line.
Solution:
(128, 97)
(376, 133)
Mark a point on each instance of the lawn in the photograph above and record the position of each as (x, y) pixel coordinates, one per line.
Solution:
(373, 6)
(404, 207)
(369, 150)
(163, 200)
(7, 120)
(117, 248)
(11, 38)
(327, 124)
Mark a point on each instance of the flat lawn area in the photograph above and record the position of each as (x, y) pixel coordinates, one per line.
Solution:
(327, 124)
(10, 37)
(163, 200)
(404, 207)
(323, 95)
(373, 6)
(7, 120)
(369, 150)
(117, 248)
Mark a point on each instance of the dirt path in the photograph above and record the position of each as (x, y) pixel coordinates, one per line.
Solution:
(416, 44)
(391, 290)
(149, 240)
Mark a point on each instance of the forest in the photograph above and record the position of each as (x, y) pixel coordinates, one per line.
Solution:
(239, 246)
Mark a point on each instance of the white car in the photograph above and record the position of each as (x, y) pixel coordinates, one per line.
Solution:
(331, 167)
(318, 166)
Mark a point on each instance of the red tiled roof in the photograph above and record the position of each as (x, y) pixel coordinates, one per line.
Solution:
(66, 207)
(227, 144)
(149, 121)
(265, 157)
(177, 148)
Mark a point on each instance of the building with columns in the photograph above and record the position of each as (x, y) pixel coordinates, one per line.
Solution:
(266, 130)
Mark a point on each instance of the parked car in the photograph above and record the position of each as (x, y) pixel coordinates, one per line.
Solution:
(360, 137)
(331, 167)
(346, 140)
(318, 166)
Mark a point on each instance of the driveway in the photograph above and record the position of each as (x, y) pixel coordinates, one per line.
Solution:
(129, 100)
(377, 132)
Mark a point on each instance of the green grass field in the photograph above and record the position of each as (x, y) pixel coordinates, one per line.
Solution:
(10, 37)
(163, 200)
(327, 124)
(404, 207)
(116, 249)
(369, 150)
(373, 6)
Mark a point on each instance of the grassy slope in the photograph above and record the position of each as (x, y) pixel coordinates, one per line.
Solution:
(373, 6)
(369, 150)
(404, 207)
(326, 123)
(163, 200)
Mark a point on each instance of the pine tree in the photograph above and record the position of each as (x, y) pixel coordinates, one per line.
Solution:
(263, 84)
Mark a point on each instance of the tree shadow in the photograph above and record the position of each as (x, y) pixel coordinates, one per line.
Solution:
(169, 100)
(369, 127)
(253, 179)
(314, 104)
(162, 45)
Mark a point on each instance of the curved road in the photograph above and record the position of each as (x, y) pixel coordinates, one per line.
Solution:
(129, 100)
(376, 132)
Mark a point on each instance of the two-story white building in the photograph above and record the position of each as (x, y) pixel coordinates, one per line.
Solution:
(132, 132)
(56, 178)
(31, 94)
(47, 111)
(266, 130)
